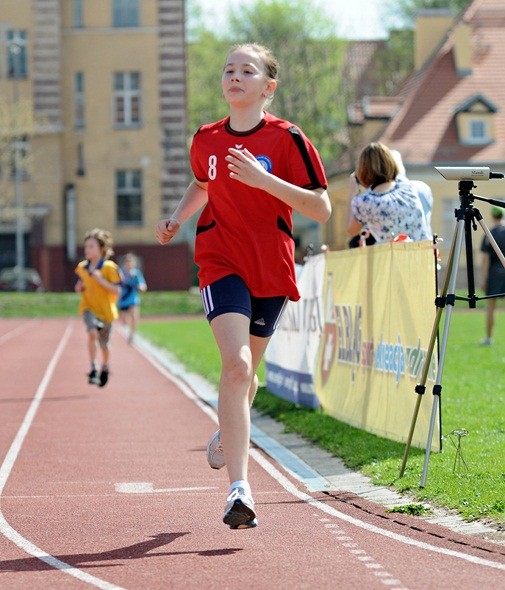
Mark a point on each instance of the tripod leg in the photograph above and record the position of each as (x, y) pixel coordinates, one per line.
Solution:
(437, 389)
(431, 346)
(472, 298)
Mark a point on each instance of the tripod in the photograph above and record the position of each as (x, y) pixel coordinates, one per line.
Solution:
(465, 216)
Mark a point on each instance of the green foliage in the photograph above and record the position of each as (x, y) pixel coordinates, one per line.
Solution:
(393, 62)
(310, 92)
(205, 68)
(406, 10)
(311, 58)
(412, 509)
(18, 122)
(289, 21)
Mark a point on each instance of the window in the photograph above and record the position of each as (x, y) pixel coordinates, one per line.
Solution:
(476, 121)
(77, 21)
(79, 100)
(16, 54)
(478, 132)
(129, 197)
(125, 13)
(127, 96)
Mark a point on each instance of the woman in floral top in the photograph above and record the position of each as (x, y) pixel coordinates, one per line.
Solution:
(389, 205)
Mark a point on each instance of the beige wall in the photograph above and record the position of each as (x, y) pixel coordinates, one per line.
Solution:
(14, 14)
(106, 148)
(97, 50)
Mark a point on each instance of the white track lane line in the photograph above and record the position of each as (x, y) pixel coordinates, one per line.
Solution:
(5, 470)
(292, 489)
(16, 331)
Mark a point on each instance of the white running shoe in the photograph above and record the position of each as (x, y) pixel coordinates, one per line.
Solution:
(239, 510)
(215, 455)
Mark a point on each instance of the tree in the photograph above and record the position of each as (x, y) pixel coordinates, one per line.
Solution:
(393, 62)
(406, 10)
(205, 66)
(311, 59)
(17, 125)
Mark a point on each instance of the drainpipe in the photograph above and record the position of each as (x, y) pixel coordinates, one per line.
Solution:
(70, 221)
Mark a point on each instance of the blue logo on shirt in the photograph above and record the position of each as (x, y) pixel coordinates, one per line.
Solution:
(266, 162)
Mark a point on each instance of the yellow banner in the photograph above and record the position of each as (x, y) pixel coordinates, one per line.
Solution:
(379, 314)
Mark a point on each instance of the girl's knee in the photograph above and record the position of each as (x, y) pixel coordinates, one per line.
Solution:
(237, 371)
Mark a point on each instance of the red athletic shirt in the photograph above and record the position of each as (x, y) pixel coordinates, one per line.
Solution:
(244, 230)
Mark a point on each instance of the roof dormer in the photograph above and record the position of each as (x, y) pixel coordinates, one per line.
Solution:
(475, 121)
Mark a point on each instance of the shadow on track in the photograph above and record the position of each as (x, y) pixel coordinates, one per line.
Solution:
(89, 560)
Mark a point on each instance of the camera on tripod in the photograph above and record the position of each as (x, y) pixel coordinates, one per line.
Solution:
(467, 172)
(466, 216)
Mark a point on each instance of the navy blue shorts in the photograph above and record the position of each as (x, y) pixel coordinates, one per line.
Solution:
(231, 295)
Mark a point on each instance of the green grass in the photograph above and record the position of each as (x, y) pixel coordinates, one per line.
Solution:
(190, 340)
(473, 398)
(154, 303)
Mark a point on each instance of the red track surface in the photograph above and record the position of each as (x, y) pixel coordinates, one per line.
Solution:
(65, 455)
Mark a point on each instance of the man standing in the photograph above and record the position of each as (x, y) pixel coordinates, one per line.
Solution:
(492, 271)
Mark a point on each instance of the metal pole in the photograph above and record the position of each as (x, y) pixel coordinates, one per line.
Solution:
(20, 219)
(15, 50)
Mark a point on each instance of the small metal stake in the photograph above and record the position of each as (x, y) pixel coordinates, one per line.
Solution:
(458, 459)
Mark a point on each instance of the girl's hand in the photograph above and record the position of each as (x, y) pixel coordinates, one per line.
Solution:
(354, 186)
(245, 168)
(166, 230)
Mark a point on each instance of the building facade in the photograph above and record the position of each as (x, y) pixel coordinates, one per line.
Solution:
(105, 81)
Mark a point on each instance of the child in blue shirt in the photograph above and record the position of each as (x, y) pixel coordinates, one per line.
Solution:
(129, 301)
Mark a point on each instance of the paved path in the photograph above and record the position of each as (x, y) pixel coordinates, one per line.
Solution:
(109, 488)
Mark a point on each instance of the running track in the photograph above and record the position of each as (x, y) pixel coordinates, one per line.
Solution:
(109, 488)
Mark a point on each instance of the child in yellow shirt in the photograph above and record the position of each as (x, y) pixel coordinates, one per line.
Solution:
(99, 282)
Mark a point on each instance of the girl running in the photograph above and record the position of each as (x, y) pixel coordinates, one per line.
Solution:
(251, 171)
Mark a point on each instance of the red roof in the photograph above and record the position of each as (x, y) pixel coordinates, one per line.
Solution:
(424, 128)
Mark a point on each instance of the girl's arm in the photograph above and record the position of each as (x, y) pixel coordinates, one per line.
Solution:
(353, 225)
(194, 198)
(313, 203)
(484, 270)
